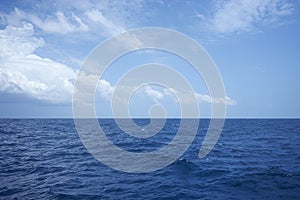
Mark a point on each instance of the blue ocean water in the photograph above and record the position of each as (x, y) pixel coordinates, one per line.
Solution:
(253, 159)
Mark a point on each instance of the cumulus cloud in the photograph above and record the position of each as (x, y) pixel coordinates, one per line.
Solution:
(242, 15)
(22, 71)
(18, 41)
(105, 89)
(40, 78)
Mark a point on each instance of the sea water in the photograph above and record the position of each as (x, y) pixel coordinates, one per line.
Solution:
(253, 159)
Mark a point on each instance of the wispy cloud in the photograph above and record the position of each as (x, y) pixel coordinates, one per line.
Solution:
(154, 94)
(160, 95)
(244, 15)
(97, 16)
(66, 17)
(57, 23)
(202, 98)
(208, 99)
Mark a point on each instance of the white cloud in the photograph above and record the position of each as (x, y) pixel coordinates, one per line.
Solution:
(18, 41)
(57, 23)
(242, 15)
(208, 99)
(105, 89)
(157, 96)
(65, 17)
(154, 94)
(23, 72)
(97, 16)
(201, 98)
(42, 79)
(83, 26)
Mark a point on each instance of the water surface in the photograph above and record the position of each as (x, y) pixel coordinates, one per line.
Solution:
(253, 159)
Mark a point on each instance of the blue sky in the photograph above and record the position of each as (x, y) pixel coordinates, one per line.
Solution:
(255, 44)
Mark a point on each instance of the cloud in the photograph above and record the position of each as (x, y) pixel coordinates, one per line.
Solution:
(65, 17)
(23, 72)
(18, 41)
(105, 89)
(202, 98)
(208, 99)
(158, 96)
(154, 94)
(98, 17)
(57, 23)
(244, 15)
(39, 78)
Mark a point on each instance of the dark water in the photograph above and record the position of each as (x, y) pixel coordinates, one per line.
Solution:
(254, 159)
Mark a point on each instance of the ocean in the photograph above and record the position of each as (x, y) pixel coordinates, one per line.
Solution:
(253, 159)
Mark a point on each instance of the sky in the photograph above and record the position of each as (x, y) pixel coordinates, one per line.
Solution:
(254, 43)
